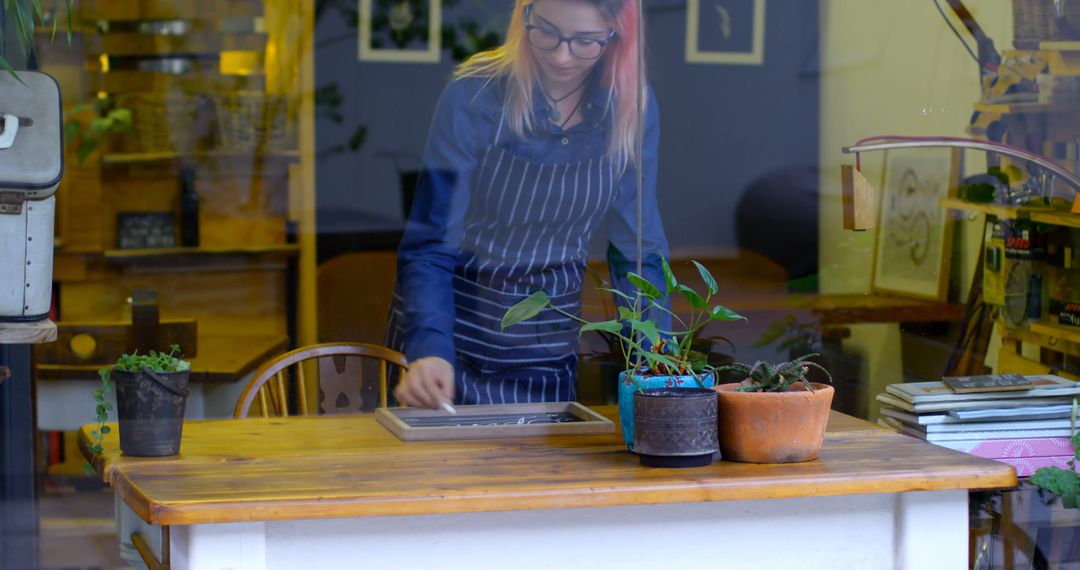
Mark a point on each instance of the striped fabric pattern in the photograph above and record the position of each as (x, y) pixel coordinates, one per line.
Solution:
(527, 228)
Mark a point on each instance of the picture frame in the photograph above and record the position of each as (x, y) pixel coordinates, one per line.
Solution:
(400, 31)
(913, 243)
(725, 32)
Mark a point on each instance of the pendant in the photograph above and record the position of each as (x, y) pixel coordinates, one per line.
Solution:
(555, 114)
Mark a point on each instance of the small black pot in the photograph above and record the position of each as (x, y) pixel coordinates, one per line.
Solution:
(150, 407)
(675, 427)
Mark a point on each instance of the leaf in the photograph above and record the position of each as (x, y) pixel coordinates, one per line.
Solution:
(607, 326)
(692, 297)
(646, 329)
(526, 309)
(720, 313)
(644, 285)
(627, 314)
(655, 359)
(669, 277)
(86, 148)
(105, 429)
(707, 277)
(617, 293)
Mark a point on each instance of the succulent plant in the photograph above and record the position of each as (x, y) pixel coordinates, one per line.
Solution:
(765, 377)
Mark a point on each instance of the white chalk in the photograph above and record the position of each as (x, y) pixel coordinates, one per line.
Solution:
(448, 408)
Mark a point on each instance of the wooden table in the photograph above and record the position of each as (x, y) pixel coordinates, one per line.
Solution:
(18, 508)
(280, 493)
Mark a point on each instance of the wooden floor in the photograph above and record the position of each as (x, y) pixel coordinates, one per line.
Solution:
(77, 530)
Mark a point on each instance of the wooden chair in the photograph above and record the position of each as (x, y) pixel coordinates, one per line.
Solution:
(338, 370)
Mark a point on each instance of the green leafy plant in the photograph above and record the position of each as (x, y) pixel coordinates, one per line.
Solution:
(1064, 483)
(647, 350)
(134, 362)
(86, 135)
(765, 377)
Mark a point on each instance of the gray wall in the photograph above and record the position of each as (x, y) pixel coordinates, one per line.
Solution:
(723, 126)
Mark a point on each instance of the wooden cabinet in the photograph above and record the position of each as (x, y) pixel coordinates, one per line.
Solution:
(215, 90)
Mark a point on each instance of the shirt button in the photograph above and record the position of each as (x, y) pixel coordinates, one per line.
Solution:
(565, 141)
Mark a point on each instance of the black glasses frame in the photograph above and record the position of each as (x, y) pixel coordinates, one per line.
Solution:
(569, 40)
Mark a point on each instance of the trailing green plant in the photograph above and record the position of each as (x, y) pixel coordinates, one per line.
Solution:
(1064, 483)
(765, 377)
(85, 135)
(27, 15)
(134, 362)
(647, 350)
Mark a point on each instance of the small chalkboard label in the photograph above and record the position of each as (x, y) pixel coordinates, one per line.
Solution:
(987, 383)
(145, 230)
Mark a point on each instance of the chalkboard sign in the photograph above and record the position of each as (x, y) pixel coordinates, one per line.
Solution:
(145, 230)
(987, 383)
(489, 421)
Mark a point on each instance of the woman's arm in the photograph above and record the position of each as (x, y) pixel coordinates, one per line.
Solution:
(622, 223)
(430, 246)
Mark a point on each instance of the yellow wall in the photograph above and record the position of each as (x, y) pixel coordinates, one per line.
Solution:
(890, 67)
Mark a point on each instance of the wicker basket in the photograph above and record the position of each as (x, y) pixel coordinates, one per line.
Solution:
(1035, 21)
(167, 122)
(251, 122)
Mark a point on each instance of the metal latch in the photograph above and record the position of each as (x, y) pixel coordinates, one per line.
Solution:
(11, 203)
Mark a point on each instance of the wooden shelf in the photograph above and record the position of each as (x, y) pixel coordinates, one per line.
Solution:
(1027, 107)
(856, 308)
(136, 255)
(1004, 212)
(1061, 332)
(28, 333)
(1057, 218)
(117, 158)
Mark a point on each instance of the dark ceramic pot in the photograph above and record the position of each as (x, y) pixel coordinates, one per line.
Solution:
(150, 406)
(675, 427)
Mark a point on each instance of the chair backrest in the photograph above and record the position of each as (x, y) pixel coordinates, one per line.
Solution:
(335, 362)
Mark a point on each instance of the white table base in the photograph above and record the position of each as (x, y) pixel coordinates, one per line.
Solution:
(917, 530)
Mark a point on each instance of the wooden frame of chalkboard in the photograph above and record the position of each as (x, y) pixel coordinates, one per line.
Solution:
(492, 421)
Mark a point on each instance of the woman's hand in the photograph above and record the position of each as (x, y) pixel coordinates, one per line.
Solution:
(428, 383)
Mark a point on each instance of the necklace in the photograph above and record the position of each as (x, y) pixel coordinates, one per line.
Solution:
(572, 111)
(555, 114)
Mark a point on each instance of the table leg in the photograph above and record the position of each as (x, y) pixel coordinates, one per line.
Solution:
(18, 500)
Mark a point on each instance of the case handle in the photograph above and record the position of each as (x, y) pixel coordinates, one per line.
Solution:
(11, 128)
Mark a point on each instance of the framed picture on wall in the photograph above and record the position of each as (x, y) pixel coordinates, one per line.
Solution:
(725, 31)
(403, 31)
(913, 246)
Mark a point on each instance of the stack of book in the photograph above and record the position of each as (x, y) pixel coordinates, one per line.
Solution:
(1027, 429)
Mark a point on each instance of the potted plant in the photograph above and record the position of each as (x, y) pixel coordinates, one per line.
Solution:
(151, 390)
(1064, 483)
(663, 384)
(774, 414)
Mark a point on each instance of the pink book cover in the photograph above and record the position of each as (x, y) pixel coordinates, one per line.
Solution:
(1012, 448)
(1026, 466)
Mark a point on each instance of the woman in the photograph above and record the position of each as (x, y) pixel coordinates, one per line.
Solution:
(532, 146)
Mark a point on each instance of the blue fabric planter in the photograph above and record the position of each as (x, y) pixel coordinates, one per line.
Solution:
(626, 396)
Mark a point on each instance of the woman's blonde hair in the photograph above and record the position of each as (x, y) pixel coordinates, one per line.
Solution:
(621, 74)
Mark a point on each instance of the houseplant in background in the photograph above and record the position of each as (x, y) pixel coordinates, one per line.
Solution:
(1064, 483)
(151, 390)
(663, 378)
(774, 414)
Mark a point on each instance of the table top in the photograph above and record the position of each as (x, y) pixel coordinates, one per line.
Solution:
(221, 358)
(347, 466)
(36, 332)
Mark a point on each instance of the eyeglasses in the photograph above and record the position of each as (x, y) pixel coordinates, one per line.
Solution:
(549, 39)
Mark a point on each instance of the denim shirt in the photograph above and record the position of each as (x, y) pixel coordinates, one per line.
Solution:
(465, 123)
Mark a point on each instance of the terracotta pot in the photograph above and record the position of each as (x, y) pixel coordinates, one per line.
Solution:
(773, 427)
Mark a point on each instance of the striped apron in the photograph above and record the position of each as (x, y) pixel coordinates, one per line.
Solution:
(527, 228)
